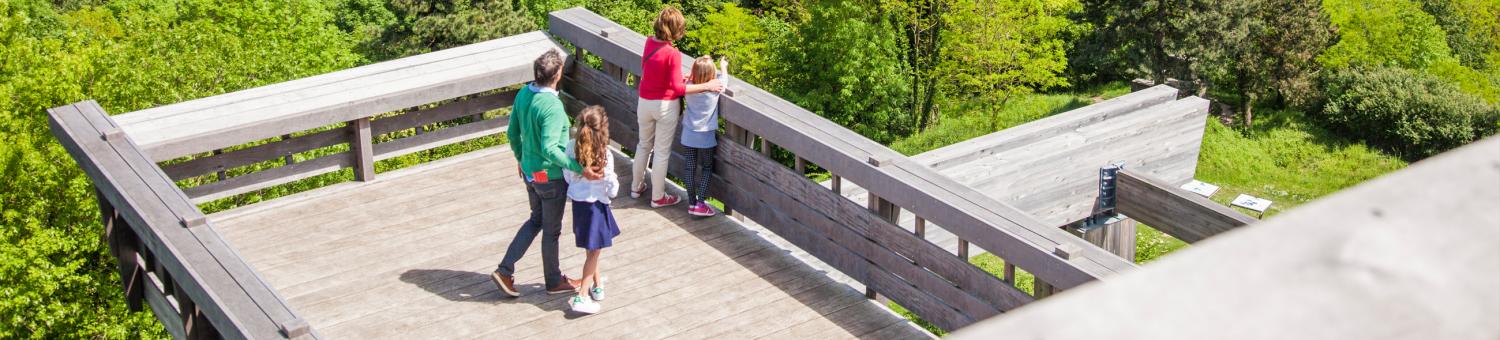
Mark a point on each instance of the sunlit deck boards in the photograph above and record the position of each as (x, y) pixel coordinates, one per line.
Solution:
(408, 256)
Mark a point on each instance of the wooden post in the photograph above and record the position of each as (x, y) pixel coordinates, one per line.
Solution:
(963, 249)
(289, 159)
(362, 148)
(221, 174)
(801, 166)
(890, 213)
(1042, 289)
(765, 147)
(837, 188)
(921, 228)
(1116, 237)
(1010, 273)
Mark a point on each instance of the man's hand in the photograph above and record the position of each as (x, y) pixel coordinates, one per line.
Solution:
(520, 173)
(590, 173)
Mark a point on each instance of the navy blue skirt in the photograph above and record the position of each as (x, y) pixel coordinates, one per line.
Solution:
(594, 225)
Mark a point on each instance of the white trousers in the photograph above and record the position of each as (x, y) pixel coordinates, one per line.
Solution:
(657, 120)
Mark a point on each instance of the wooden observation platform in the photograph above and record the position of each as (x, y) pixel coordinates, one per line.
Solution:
(406, 253)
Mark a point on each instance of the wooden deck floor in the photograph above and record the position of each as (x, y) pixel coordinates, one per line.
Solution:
(409, 256)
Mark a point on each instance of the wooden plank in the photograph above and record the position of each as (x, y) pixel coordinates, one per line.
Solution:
(230, 125)
(235, 303)
(281, 89)
(269, 178)
(442, 113)
(220, 162)
(1407, 254)
(361, 149)
(441, 137)
(1165, 207)
(871, 237)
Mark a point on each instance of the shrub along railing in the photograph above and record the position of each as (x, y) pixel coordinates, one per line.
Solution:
(862, 242)
(170, 255)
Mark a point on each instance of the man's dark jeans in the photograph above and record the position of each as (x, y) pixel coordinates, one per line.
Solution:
(547, 203)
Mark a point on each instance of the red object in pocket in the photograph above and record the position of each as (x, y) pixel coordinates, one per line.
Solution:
(539, 176)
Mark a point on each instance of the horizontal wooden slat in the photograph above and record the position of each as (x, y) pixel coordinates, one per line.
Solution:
(986, 222)
(440, 137)
(256, 154)
(232, 297)
(442, 113)
(1169, 209)
(269, 177)
(1407, 255)
(340, 101)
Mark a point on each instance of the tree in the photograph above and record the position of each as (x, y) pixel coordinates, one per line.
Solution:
(1473, 28)
(56, 278)
(997, 50)
(733, 32)
(1383, 32)
(1269, 50)
(410, 27)
(848, 68)
(1408, 112)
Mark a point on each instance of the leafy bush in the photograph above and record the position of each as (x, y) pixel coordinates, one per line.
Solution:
(1410, 113)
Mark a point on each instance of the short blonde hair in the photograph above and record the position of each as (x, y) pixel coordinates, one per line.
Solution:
(669, 24)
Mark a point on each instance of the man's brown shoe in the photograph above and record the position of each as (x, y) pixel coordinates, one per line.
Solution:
(565, 287)
(507, 287)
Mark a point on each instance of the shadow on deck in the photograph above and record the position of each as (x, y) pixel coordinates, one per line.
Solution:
(409, 256)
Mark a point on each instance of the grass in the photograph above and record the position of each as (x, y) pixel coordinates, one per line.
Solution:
(1284, 158)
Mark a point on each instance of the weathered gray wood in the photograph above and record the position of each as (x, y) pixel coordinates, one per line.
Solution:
(270, 177)
(219, 162)
(338, 101)
(1409, 254)
(440, 137)
(1117, 237)
(231, 297)
(441, 113)
(362, 149)
(807, 201)
(990, 223)
(437, 290)
(1169, 209)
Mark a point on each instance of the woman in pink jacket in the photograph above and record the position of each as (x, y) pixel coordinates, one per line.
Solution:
(659, 107)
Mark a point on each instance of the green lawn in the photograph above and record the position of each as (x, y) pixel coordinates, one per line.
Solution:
(1284, 158)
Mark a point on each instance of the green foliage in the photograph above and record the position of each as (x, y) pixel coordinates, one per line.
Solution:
(734, 33)
(997, 50)
(410, 27)
(848, 68)
(56, 278)
(1410, 113)
(1473, 28)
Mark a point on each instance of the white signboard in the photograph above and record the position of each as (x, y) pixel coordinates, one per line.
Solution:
(1200, 188)
(1252, 203)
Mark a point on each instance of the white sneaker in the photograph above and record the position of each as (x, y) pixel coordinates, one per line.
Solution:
(582, 305)
(597, 293)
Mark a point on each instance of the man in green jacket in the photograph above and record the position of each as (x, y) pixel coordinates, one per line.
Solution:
(538, 135)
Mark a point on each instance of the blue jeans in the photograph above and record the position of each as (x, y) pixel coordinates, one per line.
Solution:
(547, 203)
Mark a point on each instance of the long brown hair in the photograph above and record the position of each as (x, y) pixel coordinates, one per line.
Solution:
(593, 138)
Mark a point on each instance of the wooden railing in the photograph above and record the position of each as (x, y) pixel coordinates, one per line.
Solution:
(172, 259)
(447, 123)
(862, 242)
(169, 257)
(1172, 210)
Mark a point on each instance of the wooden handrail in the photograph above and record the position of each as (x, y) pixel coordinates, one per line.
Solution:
(1169, 209)
(988, 223)
(194, 272)
(816, 220)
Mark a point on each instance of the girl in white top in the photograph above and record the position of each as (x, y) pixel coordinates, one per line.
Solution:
(593, 222)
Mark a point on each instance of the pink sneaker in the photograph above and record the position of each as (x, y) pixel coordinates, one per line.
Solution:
(666, 200)
(701, 209)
